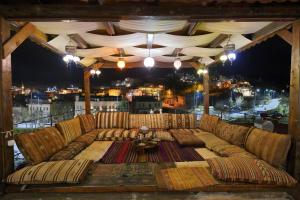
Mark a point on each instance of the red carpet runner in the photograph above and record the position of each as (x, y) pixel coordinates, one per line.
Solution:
(124, 152)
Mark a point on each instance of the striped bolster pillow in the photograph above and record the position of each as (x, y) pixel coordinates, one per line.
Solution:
(66, 171)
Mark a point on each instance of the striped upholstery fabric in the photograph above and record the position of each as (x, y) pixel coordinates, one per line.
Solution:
(233, 134)
(208, 123)
(39, 146)
(67, 171)
(88, 138)
(181, 121)
(229, 150)
(70, 129)
(149, 120)
(235, 169)
(87, 123)
(271, 147)
(69, 152)
(164, 135)
(113, 135)
(211, 141)
(185, 137)
(112, 120)
(95, 151)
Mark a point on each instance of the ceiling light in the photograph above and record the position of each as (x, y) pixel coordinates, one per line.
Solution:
(98, 72)
(177, 63)
(149, 62)
(121, 63)
(92, 72)
(223, 58)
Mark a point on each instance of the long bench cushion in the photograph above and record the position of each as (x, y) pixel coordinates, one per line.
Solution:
(70, 129)
(233, 134)
(95, 151)
(211, 141)
(39, 146)
(208, 122)
(229, 150)
(67, 171)
(112, 120)
(181, 121)
(185, 137)
(112, 134)
(150, 120)
(164, 135)
(88, 138)
(69, 152)
(235, 169)
(87, 123)
(271, 147)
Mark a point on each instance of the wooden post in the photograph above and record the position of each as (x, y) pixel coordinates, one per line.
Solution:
(87, 91)
(294, 100)
(206, 92)
(6, 120)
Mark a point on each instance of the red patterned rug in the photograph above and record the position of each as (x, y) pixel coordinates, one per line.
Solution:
(124, 152)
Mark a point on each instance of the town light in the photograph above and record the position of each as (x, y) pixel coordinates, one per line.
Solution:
(121, 63)
(149, 62)
(177, 63)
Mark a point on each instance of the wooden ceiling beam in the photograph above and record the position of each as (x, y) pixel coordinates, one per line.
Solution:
(109, 27)
(114, 11)
(28, 30)
(192, 28)
(176, 52)
(81, 43)
(121, 52)
(218, 41)
(286, 36)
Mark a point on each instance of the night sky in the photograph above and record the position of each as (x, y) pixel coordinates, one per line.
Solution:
(266, 64)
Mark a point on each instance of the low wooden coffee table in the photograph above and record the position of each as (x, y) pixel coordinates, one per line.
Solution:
(142, 146)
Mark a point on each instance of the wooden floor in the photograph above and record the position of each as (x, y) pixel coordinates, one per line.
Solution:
(152, 196)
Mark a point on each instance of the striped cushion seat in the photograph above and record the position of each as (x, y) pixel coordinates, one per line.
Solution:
(95, 151)
(229, 150)
(67, 171)
(69, 152)
(112, 120)
(271, 147)
(111, 134)
(87, 123)
(208, 122)
(233, 134)
(211, 141)
(181, 121)
(185, 137)
(39, 146)
(70, 129)
(88, 138)
(164, 135)
(235, 169)
(149, 120)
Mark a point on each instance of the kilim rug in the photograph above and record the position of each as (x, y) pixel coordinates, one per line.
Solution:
(124, 152)
(186, 178)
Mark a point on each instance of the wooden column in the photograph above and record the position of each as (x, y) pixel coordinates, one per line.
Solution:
(6, 120)
(206, 92)
(294, 100)
(87, 91)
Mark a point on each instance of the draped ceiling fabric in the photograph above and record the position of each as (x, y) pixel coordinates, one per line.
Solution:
(151, 26)
(106, 47)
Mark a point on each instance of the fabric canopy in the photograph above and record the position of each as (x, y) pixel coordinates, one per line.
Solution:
(145, 52)
(239, 41)
(127, 59)
(97, 52)
(151, 26)
(171, 59)
(68, 27)
(201, 52)
(232, 27)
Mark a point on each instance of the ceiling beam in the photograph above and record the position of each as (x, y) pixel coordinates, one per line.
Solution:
(176, 52)
(109, 27)
(115, 11)
(81, 43)
(121, 52)
(150, 37)
(192, 28)
(286, 36)
(218, 40)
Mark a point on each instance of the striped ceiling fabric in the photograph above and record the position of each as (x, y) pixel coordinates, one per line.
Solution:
(134, 44)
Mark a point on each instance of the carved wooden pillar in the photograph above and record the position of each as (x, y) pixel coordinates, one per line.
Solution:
(6, 120)
(87, 91)
(294, 100)
(206, 92)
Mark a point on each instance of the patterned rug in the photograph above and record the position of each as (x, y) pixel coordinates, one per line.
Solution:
(124, 152)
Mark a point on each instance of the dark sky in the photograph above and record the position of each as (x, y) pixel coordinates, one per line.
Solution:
(34, 65)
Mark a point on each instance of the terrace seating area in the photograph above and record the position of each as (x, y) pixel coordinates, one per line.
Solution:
(100, 153)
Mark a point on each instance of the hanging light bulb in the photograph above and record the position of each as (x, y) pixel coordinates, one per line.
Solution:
(231, 56)
(121, 63)
(68, 58)
(149, 62)
(70, 49)
(204, 71)
(177, 63)
(223, 58)
(92, 72)
(98, 72)
(200, 71)
(229, 52)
